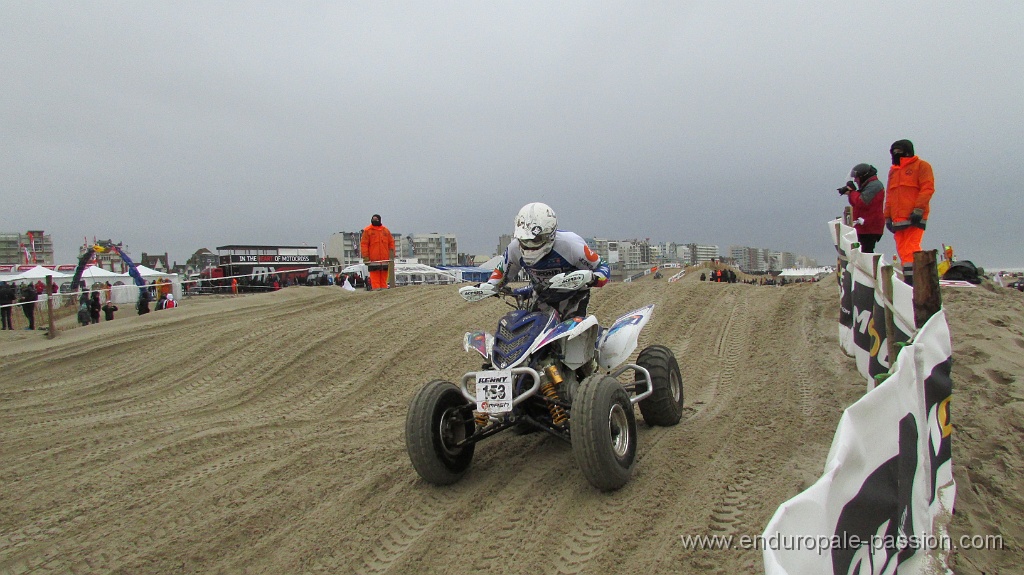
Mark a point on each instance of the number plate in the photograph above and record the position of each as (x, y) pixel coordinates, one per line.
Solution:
(494, 391)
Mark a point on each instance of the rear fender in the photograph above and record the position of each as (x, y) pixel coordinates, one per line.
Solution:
(616, 343)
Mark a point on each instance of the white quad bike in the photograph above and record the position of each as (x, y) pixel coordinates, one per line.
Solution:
(542, 372)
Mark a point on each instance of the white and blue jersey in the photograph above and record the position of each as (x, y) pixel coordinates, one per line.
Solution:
(569, 253)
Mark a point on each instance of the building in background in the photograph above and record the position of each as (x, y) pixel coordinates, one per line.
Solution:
(700, 253)
(503, 241)
(403, 246)
(761, 260)
(344, 247)
(33, 247)
(158, 262)
(200, 260)
(806, 262)
(748, 259)
(435, 249)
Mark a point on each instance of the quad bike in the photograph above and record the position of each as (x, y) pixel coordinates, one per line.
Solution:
(545, 373)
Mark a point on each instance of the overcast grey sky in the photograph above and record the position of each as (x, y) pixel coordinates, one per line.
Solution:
(173, 126)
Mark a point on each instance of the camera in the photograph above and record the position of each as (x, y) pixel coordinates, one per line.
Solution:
(849, 187)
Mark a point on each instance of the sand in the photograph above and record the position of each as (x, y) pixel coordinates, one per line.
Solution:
(264, 434)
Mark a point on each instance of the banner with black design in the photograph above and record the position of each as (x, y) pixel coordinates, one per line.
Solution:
(844, 237)
(866, 339)
(887, 477)
(862, 306)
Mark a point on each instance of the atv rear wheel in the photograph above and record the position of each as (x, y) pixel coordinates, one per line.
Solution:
(439, 417)
(665, 406)
(603, 430)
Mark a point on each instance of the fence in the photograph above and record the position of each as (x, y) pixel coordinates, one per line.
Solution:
(887, 490)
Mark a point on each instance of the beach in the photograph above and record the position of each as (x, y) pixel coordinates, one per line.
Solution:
(264, 434)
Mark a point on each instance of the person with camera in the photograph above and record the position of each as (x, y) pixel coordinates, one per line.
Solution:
(911, 186)
(867, 198)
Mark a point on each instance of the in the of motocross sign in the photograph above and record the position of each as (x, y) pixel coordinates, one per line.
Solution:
(494, 391)
(270, 259)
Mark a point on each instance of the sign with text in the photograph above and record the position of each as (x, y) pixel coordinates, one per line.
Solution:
(266, 259)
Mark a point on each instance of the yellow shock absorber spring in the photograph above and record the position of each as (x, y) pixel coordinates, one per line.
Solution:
(558, 415)
(481, 418)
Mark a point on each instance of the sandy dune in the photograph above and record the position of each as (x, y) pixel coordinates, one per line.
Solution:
(263, 434)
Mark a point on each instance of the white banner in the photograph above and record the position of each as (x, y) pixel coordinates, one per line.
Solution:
(887, 477)
(844, 237)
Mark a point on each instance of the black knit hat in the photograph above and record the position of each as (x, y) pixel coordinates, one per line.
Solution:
(906, 145)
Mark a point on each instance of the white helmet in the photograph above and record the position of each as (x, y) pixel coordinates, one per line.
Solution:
(535, 230)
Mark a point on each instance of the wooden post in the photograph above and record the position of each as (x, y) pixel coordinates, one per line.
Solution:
(890, 323)
(927, 299)
(391, 269)
(848, 215)
(52, 332)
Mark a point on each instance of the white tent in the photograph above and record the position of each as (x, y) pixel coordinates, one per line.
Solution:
(148, 272)
(98, 274)
(493, 262)
(409, 274)
(38, 273)
(806, 273)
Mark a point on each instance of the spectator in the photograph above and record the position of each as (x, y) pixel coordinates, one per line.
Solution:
(83, 312)
(866, 196)
(907, 204)
(144, 299)
(94, 307)
(29, 295)
(7, 297)
(377, 246)
(108, 310)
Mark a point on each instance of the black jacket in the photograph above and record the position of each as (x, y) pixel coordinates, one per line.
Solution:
(7, 294)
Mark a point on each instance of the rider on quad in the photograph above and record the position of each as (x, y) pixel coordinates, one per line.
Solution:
(544, 251)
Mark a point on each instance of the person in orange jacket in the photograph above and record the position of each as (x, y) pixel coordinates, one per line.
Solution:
(910, 189)
(377, 246)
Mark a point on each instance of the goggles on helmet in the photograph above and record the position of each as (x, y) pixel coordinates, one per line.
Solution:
(534, 243)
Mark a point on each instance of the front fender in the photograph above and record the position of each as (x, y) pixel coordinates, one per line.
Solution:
(618, 341)
(479, 341)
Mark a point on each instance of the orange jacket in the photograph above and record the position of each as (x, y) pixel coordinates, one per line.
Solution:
(377, 243)
(911, 185)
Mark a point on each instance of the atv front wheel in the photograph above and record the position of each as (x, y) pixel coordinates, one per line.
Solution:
(665, 405)
(439, 417)
(603, 430)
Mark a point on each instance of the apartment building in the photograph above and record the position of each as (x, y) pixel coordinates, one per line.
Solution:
(435, 249)
(32, 247)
